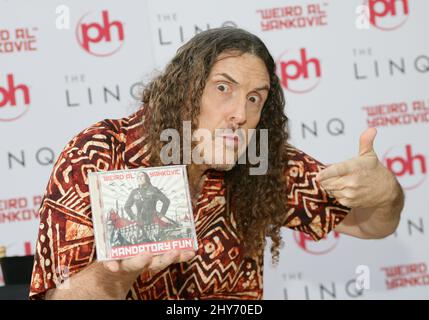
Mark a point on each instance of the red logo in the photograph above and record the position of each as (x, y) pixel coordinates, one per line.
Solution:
(327, 244)
(100, 39)
(18, 40)
(410, 169)
(14, 99)
(388, 14)
(299, 74)
(406, 276)
(19, 209)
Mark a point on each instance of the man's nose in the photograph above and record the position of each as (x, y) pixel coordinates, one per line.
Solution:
(238, 114)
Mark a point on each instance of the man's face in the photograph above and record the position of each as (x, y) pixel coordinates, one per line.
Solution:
(235, 92)
(141, 180)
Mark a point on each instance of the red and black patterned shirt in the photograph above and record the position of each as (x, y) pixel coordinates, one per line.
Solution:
(219, 270)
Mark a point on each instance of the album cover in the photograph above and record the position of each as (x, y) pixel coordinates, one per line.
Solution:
(145, 209)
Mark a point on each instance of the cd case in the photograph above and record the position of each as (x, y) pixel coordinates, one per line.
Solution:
(145, 209)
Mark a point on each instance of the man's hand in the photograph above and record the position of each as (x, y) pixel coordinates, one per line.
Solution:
(361, 181)
(148, 262)
(371, 190)
(113, 279)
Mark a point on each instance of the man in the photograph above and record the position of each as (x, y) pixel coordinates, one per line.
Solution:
(222, 79)
(145, 198)
(146, 220)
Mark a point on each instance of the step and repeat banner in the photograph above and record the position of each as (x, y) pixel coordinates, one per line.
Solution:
(344, 66)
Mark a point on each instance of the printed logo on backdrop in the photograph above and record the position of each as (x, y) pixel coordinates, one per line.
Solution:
(14, 98)
(23, 158)
(324, 246)
(312, 15)
(397, 113)
(18, 40)
(99, 34)
(333, 127)
(406, 276)
(15, 210)
(387, 15)
(411, 227)
(172, 31)
(299, 70)
(369, 66)
(82, 91)
(298, 286)
(408, 164)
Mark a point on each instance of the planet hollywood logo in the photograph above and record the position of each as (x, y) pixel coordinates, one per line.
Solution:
(407, 165)
(14, 99)
(388, 15)
(324, 246)
(100, 38)
(299, 72)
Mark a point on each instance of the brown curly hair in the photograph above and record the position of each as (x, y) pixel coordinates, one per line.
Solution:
(258, 201)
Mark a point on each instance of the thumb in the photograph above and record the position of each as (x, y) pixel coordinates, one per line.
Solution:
(366, 141)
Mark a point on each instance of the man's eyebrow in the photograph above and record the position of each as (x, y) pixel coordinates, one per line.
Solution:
(225, 75)
(266, 87)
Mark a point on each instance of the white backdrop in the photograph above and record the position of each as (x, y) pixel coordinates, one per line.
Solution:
(344, 65)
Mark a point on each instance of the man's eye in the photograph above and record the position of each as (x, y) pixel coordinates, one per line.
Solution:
(222, 87)
(254, 99)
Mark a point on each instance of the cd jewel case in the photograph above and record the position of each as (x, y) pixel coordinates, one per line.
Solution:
(145, 209)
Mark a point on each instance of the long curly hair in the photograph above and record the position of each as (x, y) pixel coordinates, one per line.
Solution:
(258, 201)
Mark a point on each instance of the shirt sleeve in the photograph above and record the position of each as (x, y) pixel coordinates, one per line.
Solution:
(65, 242)
(309, 207)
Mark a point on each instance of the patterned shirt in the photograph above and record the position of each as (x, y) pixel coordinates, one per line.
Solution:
(219, 270)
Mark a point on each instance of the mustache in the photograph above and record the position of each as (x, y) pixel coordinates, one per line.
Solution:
(240, 133)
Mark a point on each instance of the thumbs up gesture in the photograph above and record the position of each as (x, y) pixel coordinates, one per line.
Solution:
(361, 181)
